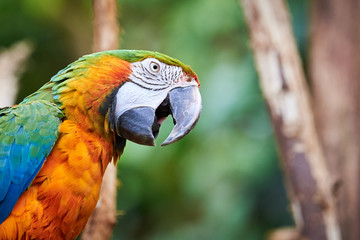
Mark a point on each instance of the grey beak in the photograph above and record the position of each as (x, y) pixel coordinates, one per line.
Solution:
(185, 106)
(138, 125)
(141, 126)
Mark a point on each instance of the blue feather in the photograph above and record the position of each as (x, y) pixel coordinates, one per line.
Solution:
(27, 135)
(9, 201)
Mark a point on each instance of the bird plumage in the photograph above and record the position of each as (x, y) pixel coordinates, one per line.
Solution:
(57, 143)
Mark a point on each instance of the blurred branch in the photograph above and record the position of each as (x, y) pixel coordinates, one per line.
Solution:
(106, 27)
(283, 83)
(284, 234)
(335, 74)
(102, 221)
(11, 65)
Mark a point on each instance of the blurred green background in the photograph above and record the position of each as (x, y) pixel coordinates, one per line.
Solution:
(223, 181)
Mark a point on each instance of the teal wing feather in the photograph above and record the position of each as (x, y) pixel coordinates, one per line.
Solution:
(28, 133)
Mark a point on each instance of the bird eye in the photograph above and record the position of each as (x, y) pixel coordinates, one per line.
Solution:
(155, 67)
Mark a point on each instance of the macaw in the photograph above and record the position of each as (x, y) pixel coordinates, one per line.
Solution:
(56, 144)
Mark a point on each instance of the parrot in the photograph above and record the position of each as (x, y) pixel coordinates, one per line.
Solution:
(55, 145)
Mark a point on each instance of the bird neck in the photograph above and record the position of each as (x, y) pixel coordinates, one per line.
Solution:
(84, 91)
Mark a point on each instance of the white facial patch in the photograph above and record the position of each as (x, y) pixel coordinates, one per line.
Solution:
(131, 95)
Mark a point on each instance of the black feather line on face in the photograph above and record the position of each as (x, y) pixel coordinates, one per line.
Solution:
(109, 107)
(109, 101)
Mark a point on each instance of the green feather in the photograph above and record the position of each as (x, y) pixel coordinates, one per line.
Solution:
(139, 55)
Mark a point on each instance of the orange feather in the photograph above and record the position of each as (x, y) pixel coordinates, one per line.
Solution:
(66, 190)
(64, 194)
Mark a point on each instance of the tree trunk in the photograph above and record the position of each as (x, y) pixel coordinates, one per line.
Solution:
(283, 83)
(335, 76)
(106, 27)
(102, 221)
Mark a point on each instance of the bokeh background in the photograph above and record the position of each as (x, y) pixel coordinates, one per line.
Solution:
(223, 181)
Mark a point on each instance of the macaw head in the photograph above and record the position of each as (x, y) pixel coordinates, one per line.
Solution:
(134, 90)
(157, 86)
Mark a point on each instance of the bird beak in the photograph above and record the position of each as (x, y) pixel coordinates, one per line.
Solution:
(141, 124)
(185, 105)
